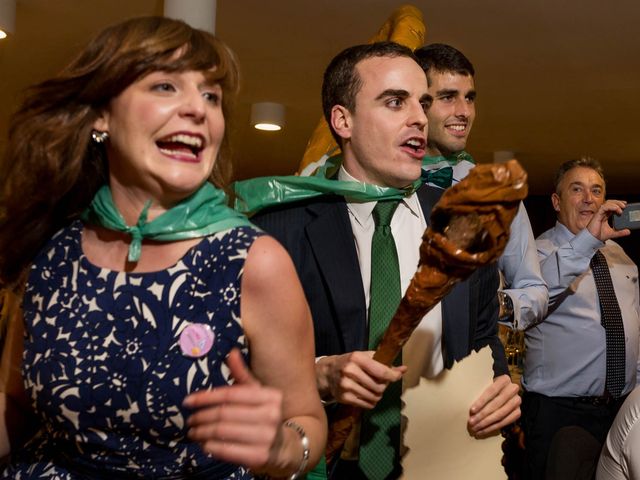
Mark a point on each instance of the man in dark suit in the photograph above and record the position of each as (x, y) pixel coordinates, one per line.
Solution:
(374, 99)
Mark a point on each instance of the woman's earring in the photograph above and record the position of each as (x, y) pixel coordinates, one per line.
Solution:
(99, 137)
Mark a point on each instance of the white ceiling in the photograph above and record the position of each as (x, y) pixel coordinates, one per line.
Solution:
(556, 79)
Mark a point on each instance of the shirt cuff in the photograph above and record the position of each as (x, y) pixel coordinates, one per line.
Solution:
(585, 243)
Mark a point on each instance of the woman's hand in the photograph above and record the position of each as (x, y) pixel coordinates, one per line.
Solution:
(239, 423)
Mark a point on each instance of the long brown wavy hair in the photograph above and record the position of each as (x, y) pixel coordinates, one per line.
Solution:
(51, 170)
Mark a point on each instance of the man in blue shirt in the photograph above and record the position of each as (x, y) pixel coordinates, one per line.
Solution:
(524, 297)
(568, 361)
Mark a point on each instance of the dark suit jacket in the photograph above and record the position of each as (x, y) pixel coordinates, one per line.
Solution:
(317, 234)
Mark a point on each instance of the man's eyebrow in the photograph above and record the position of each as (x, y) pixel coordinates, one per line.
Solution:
(447, 92)
(390, 92)
(453, 92)
(582, 184)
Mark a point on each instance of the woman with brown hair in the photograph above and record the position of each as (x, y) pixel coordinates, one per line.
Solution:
(144, 295)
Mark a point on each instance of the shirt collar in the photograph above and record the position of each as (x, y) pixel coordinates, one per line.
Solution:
(362, 210)
(564, 233)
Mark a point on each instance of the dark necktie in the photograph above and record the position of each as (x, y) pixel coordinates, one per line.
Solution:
(380, 433)
(612, 323)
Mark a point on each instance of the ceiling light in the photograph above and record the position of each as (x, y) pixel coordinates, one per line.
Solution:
(7, 17)
(267, 116)
(199, 14)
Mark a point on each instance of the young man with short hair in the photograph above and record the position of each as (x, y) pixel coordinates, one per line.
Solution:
(375, 99)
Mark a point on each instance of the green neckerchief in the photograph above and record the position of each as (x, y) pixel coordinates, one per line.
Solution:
(201, 214)
(256, 194)
(452, 160)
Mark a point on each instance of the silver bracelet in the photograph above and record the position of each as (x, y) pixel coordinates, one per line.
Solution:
(304, 441)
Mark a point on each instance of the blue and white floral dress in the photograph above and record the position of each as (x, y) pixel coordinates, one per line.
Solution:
(103, 366)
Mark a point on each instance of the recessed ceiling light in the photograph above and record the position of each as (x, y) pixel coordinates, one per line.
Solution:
(267, 116)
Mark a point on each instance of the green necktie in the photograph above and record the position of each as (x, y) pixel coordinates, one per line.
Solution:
(380, 433)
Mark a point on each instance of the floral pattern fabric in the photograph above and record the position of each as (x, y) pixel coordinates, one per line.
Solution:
(103, 366)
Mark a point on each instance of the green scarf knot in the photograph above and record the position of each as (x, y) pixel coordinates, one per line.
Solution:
(203, 213)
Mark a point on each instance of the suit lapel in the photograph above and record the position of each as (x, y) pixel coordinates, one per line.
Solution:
(455, 306)
(331, 240)
(455, 323)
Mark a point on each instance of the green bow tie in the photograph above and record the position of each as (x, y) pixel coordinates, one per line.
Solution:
(441, 177)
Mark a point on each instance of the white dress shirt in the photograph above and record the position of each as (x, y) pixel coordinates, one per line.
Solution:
(423, 353)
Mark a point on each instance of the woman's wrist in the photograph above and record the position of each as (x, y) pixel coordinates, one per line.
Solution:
(293, 454)
(304, 444)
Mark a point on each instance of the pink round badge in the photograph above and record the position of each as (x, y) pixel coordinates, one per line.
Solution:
(196, 340)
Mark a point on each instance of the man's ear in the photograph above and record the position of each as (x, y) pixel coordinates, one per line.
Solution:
(341, 121)
(555, 201)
